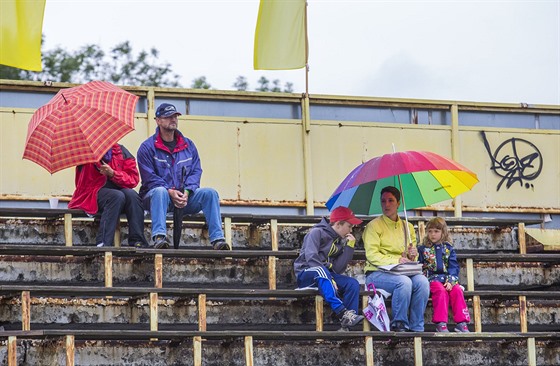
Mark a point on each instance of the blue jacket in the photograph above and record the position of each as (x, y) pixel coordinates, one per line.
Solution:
(161, 168)
(439, 263)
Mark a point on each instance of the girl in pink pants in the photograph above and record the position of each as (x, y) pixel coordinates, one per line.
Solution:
(442, 269)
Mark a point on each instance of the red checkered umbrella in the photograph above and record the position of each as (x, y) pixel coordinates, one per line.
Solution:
(79, 125)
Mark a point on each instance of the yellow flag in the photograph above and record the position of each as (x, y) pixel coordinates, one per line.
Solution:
(280, 37)
(21, 25)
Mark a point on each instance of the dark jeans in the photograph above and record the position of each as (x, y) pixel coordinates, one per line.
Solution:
(113, 202)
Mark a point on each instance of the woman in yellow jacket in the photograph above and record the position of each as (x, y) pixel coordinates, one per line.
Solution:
(384, 242)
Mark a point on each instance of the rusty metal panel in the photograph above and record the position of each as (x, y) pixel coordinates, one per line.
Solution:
(250, 161)
(337, 149)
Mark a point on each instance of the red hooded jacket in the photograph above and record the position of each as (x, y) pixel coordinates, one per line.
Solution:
(89, 181)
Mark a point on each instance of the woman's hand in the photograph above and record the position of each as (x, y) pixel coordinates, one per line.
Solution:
(448, 286)
(412, 252)
(404, 259)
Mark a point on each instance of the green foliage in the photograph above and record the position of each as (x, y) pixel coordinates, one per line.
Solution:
(241, 83)
(264, 86)
(200, 83)
(120, 66)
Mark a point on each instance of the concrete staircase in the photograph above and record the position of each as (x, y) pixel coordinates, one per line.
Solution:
(81, 305)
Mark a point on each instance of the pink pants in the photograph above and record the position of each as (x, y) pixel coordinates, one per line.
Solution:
(440, 303)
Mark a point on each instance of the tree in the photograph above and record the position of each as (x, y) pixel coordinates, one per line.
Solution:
(120, 66)
(200, 83)
(241, 83)
(264, 86)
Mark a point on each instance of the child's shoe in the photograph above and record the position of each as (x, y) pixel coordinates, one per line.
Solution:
(349, 319)
(441, 327)
(462, 328)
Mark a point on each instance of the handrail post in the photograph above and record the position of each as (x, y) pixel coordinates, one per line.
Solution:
(108, 270)
(307, 164)
(457, 202)
(25, 310)
(417, 351)
(70, 350)
(272, 259)
(197, 351)
(68, 229)
(319, 313)
(12, 351)
(248, 350)
(227, 232)
(202, 312)
(521, 238)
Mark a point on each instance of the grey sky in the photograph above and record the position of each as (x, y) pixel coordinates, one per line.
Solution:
(490, 51)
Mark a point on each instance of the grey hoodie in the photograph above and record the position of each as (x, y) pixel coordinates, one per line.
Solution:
(322, 246)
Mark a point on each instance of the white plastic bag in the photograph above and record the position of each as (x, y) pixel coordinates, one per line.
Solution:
(376, 312)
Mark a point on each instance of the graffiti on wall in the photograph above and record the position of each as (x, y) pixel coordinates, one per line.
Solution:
(515, 160)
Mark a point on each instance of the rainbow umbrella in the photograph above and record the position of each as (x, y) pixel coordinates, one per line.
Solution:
(425, 178)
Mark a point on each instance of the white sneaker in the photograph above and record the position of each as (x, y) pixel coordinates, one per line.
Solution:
(100, 245)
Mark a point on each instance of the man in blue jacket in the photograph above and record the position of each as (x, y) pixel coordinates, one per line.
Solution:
(162, 158)
(327, 249)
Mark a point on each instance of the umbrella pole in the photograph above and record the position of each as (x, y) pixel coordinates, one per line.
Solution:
(408, 238)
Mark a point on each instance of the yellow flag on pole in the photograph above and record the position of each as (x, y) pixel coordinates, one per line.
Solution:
(21, 26)
(280, 36)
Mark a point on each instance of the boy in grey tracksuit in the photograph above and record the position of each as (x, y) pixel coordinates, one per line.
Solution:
(327, 249)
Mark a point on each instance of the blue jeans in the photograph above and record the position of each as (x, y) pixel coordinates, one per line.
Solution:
(348, 288)
(159, 203)
(409, 297)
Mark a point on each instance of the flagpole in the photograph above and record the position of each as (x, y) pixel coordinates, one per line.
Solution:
(306, 52)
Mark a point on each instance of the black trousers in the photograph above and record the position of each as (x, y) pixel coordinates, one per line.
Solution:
(113, 202)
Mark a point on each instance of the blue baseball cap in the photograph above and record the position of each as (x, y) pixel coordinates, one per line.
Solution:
(166, 110)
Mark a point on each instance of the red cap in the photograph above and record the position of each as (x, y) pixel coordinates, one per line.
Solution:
(342, 213)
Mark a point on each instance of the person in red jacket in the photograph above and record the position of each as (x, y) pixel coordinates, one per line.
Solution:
(106, 189)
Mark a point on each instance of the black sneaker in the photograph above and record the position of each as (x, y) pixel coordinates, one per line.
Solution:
(161, 242)
(398, 327)
(220, 244)
(140, 244)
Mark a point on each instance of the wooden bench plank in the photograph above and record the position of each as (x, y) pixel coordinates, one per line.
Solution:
(58, 250)
(121, 334)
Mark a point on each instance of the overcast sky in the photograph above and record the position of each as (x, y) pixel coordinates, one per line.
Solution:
(486, 51)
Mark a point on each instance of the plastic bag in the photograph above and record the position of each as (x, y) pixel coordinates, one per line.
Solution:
(376, 312)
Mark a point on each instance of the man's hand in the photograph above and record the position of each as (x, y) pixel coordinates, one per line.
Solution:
(179, 199)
